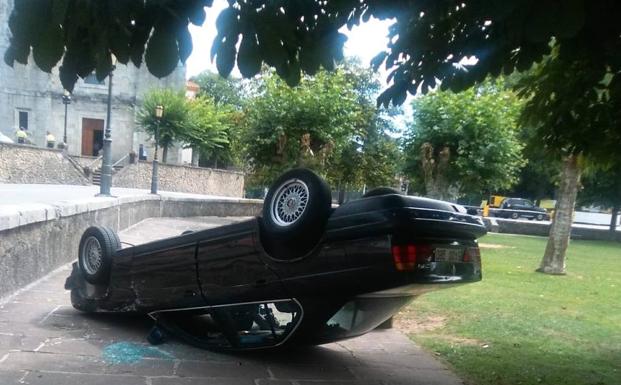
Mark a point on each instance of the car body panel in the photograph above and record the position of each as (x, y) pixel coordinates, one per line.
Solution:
(220, 274)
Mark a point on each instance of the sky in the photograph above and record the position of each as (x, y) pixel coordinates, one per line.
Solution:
(364, 41)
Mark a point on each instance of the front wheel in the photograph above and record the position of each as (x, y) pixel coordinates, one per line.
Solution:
(295, 212)
(540, 217)
(515, 215)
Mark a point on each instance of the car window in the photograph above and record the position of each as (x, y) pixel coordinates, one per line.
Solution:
(240, 326)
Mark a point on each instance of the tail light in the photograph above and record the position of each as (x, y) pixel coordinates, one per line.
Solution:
(472, 254)
(405, 257)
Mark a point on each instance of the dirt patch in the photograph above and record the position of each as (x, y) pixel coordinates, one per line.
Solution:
(408, 323)
(494, 246)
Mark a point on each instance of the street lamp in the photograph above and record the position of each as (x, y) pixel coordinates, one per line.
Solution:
(106, 168)
(66, 102)
(159, 112)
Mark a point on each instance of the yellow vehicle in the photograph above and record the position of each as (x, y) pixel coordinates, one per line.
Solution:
(495, 201)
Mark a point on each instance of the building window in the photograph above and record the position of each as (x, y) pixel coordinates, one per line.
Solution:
(92, 79)
(23, 119)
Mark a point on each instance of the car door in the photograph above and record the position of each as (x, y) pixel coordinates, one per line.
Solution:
(164, 273)
(230, 269)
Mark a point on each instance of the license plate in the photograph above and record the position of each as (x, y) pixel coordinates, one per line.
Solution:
(443, 254)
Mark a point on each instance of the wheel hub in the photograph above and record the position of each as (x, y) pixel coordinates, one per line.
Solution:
(289, 202)
(93, 255)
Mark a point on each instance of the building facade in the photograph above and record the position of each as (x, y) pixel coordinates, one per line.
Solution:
(33, 99)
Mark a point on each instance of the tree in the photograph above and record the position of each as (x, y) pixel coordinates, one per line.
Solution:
(580, 127)
(309, 125)
(464, 143)
(174, 123)
(208, 127)
(223, 91)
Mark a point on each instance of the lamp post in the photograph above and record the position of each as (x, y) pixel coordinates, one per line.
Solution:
(66, 102)
(106, 168)
(159, 111)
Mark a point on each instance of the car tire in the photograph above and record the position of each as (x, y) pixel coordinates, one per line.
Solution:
(295, 212)
(98, 246)
(515, 215)
(381, 191)
(539, 217)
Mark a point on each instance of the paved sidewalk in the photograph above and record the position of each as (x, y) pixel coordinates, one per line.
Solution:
(44, 341)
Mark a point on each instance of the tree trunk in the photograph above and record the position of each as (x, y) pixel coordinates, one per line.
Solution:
(553, 261)
(164, 154)
(614, 217)
(195, 156)
(434, 171)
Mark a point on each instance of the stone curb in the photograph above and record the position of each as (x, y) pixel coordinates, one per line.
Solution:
(12, 216)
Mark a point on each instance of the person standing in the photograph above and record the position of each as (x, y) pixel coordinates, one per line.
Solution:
(22, 135)
(50, 139)
(142, 152)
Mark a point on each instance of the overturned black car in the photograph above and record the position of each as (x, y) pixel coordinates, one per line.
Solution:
(302, 273)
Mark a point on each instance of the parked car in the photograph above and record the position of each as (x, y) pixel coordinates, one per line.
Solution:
(515, 208)
(302, 273)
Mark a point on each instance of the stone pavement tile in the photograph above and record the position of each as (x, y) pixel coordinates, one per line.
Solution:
(10, 341)
(53, 378)
(327, 371)
(41, 297)
(269, 381)
(331, 354)
(24, 313)
(407, 375)
(12, 377)
(202, 381)
(220, 369)
(388, 359)
(67, 345)
(75, 363)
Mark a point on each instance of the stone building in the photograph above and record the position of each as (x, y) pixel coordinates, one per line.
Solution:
(32, 99)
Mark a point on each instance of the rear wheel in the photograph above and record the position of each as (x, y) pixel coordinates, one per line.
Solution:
(295, 213)
(515, 215)
(97, 247)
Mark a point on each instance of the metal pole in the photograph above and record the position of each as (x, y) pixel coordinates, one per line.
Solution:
(106, 169)
(154, 177)
(65, 132)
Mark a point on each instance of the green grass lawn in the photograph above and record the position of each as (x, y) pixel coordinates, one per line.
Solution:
(522, 327)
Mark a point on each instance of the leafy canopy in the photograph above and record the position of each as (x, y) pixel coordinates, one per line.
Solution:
(467, 141)
(427, 38)
(174, 122)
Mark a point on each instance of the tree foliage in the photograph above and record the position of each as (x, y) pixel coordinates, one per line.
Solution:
(208, 126)
(428, 39)
(464, 143)
(84, 34)
(173, 124)
(326, 123)
(223, 91)
(307, 125)
(198, 123)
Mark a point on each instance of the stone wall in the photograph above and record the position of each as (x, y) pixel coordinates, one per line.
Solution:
(29, 164)
(195, 180)
(542, 229)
